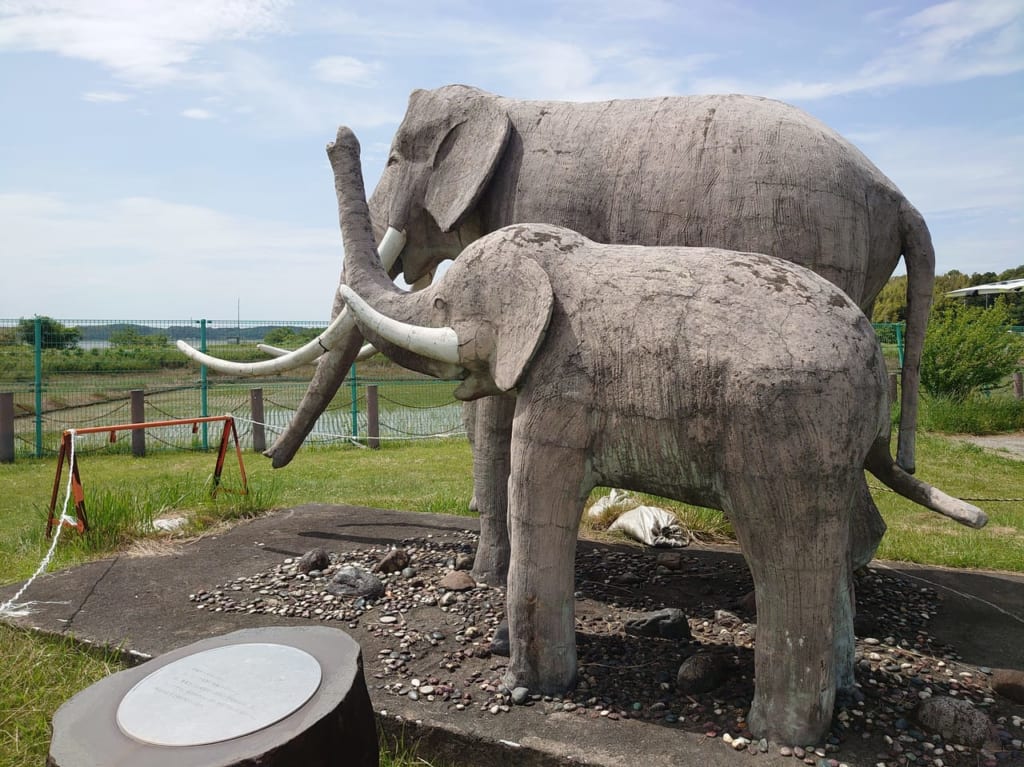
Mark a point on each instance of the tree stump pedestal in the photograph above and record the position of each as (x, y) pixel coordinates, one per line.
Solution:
(272, 697)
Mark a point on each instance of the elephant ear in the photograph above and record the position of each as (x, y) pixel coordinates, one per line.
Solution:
(523, 323)
(465, 161)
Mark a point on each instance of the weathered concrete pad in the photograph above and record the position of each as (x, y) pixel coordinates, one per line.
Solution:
(141, 605)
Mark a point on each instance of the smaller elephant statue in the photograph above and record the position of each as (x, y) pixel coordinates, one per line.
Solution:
(735, 381)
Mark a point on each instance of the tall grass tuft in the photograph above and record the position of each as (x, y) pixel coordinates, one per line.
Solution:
(977, 414)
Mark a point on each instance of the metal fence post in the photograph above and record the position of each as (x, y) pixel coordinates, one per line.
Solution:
(138, 399)
(899, 342)
(204, 385)
(372, 419)
(6, 427)
(38, 357)
(355, 402)
(259, 434)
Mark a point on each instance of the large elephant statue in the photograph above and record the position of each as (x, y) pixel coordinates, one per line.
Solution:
(736, 381)
(735, 172)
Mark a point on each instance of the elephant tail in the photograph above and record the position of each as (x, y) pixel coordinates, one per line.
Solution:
(880, 463)
(919, 256)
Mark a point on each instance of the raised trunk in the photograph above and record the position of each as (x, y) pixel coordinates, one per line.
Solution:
(334, 365)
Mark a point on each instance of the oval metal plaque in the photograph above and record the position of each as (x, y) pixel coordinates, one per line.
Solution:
(219, 694)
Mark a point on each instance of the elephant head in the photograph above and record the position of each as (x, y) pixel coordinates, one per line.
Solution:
(439, 165)
(439, 331)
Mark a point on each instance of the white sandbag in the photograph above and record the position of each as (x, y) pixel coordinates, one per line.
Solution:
(651, 525)
(616, 498)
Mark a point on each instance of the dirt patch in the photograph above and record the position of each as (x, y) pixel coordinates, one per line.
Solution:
(1006, 445)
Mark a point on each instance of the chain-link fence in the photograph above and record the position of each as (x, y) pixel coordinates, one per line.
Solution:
(67, 374)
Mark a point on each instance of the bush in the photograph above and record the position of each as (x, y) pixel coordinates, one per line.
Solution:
(966, 349)
(53, 335)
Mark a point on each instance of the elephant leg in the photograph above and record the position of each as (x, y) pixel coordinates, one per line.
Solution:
(469, 424)
(491, 448)
(866, 530)
(795, 531)
(546, 498)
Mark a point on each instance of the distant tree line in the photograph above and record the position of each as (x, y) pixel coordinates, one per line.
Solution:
(891, 304)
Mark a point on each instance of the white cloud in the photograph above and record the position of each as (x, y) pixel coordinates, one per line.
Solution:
(143, 43)
(343, 70)
(945, 43)
(100, 97)
(951, 171)
(82, 255)
(195, 113)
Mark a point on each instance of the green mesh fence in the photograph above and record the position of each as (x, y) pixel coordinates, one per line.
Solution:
(70, 373)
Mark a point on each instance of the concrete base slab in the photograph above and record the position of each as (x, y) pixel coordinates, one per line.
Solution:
(141, 605)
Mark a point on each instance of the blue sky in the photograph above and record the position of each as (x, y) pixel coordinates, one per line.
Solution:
(164, 159)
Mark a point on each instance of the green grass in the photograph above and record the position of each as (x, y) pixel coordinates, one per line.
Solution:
(969, 472)
(37, 675)
(124, 494)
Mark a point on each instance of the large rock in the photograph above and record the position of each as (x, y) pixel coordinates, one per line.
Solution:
(352, 581)
(669, 623)
(702, 672)
(394, 561)
(957, 721)
(314, 559)
(1009, 682)
(457, 580)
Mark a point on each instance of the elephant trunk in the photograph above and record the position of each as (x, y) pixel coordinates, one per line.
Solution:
(364, 276)
(358, 239)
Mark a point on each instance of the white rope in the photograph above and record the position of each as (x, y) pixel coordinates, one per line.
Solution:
(969, 597)
(352, 438)
(11, 607)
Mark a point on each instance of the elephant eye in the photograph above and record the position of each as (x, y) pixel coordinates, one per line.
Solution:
(392, 160)
(440, 304)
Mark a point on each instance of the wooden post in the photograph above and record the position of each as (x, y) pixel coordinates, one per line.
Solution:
(139, 416)
(7, 427)
(372, 418)
(1018, 385)
(259, 433)
(893, 394)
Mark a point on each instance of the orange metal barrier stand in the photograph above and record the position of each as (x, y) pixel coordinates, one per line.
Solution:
(77, 491)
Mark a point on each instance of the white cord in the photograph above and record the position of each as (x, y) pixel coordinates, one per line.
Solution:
(11, 607)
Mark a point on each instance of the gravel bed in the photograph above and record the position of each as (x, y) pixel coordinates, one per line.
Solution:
(435, 647)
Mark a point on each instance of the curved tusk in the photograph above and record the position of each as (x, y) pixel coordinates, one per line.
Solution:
(390, 248)
(364, 354)
(341, 326)
(273, 351)
(441, 344)
(391, 245)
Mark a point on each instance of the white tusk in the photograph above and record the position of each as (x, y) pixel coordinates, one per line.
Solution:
(340, 327)
(364, 354)
(441, 344)
(273, 351)
(390, 248)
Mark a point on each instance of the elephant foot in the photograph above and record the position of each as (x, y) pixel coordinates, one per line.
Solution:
(490, 565)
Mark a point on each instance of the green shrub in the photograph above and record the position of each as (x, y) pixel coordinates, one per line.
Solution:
(966, 349)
